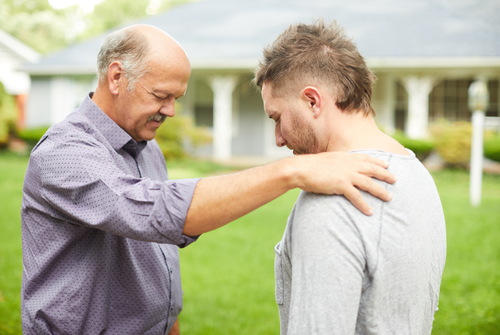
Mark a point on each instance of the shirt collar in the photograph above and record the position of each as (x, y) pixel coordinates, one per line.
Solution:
(116, 136)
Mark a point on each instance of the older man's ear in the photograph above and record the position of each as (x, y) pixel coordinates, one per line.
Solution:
(115, 74)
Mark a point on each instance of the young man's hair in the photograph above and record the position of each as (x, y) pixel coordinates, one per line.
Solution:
(318, 54)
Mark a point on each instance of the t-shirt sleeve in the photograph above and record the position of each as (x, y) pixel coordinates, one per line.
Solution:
(327, 265)
(81, 185)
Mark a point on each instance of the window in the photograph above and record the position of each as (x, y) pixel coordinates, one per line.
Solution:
(401, 106)
(449, 100)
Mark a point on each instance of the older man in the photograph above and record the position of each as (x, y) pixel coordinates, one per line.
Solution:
(101, 223)
(338, 271)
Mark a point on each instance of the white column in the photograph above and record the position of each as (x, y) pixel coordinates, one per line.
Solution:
(478, 102)
(62, 91)
(476, 161)
(386, 113)
(418, 90)
(222, 87)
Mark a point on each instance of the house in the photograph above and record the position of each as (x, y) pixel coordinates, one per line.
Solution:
(14, 53)
(425, 54)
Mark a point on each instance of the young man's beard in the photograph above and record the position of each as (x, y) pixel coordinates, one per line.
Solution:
(304, 137)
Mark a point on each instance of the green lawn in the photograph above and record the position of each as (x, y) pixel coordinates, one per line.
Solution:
(228, 276)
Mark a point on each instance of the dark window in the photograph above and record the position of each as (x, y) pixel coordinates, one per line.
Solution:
(401, 106)
(204, 115)
(449, 100)
(494, 109)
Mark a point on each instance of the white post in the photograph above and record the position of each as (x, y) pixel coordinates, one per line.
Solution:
(478, 103)
(222, 88)
(476, 159)
(418, 105)
(62, 98)
(385, 103)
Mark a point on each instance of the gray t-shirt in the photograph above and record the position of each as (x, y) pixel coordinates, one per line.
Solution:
(341, 272)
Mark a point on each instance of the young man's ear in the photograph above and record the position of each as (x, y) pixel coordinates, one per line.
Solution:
(314, 100)
(115, 74)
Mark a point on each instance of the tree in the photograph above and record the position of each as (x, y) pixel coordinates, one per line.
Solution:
(109, 14)
(46, 29)
(39, 25)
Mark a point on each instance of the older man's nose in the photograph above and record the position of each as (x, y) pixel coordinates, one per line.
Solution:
(168, 107)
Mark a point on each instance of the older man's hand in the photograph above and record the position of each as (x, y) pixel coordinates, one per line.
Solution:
(344, 173)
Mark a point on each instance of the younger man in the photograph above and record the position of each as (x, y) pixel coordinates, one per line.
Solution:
(337, 270)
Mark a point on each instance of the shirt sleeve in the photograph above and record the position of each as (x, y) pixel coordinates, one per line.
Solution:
(82, 185)
(327, 266)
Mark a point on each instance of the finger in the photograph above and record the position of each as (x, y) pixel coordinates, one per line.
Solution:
(354, 196)
(370, 159)
(373, 170)
(369, 185)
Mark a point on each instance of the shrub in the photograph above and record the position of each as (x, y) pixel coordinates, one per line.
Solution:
(32, 135)
(8, 116)
(178, 132)
(452, 141)
(492, 146)
(421, 148)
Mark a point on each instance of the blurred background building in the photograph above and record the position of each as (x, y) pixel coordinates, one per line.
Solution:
(13, 54)
(425, 54)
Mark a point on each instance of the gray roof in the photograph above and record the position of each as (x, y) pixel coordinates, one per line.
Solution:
(232, 33)
(10, 47)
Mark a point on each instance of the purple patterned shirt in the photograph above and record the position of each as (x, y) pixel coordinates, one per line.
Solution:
(101, 227)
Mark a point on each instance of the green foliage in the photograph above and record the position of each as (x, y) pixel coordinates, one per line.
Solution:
(191, 167)
(492, 146)
(40, 26)
(421, 148)
(110, 14)
(470, 291)
(46, 29)
(12, 169)
(177, 132)
(32, 135)
(452, 141)
(8, 116)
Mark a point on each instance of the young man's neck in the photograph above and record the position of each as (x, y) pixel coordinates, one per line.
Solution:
(359, 132)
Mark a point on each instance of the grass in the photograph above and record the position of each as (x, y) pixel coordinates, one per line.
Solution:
(12, 170)
(228, 276)
(470, 290)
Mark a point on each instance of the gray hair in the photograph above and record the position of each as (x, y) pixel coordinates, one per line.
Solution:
(128, 46)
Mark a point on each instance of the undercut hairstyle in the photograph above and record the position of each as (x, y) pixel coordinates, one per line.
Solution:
(318, 54)
(128, 46)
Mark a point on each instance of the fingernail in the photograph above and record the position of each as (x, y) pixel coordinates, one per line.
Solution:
(370, 211)
(389, 197)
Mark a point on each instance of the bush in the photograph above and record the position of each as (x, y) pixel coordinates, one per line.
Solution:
(32, 135)
(452, 141)
(178, 132)
(492, 146)
(8, 116)
(421, 148)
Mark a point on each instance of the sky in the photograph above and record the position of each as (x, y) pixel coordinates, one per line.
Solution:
(86, 5)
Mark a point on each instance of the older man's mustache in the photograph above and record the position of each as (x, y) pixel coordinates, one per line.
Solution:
(157, 117)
